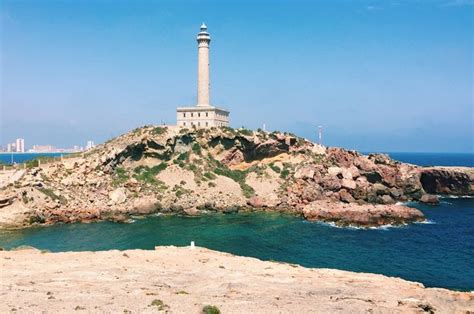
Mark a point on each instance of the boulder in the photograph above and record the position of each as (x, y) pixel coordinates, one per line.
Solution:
(256, 202)
(331, 183)
(146, 205)
(346, 197)
(349, 184)
(192, 211)
(429, 199)
(304, 173)
(385, 199)
(350, 173)
(334, 171)
(311, 192)
(380, 189)
(118, 196)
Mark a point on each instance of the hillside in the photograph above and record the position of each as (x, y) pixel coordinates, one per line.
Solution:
(182, 171)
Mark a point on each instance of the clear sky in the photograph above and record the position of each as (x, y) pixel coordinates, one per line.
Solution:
(378, 75)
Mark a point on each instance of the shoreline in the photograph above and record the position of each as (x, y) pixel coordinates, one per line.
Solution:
(186, 280)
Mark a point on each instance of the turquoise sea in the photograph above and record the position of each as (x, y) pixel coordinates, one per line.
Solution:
(9, 158)
(439, 253)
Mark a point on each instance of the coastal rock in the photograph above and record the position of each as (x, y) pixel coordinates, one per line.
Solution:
(451, 181)
(189, 278)
(146, 205)
(348, 184)
(304, 173)
(346, 197)
(367, 215)
(331, 183)
(334, 171)
(187, 168)
(429, 199)
(118, 196)
(255, 202)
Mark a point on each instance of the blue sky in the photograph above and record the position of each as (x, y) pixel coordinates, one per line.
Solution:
(378, 75)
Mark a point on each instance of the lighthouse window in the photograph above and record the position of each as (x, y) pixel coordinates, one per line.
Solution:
(192, 114)
(199, 114)
(184, 115)
(207, 114)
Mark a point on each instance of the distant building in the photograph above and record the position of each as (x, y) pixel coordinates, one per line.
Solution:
(42, 149)
(89, 145)
(203, 114)
(20, 145)
(9, 148)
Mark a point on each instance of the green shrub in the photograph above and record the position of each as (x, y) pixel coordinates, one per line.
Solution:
(284, 173)
(183, 156)
(147, 174)
(210, 176)
(120, 176)
(236, 175)
(50, 193)
(197, 148)
(245, 132)
(159, 304)
(159, 130)
(275, 168)
(210, 309)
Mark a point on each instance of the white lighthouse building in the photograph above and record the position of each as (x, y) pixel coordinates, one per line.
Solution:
(203, 114)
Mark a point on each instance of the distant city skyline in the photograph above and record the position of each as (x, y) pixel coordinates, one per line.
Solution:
(18, 146)
(378, 76)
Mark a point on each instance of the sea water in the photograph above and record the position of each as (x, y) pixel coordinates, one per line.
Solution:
(439, 253)
(16, 158)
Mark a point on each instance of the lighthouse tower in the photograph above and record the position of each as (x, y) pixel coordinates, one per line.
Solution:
(203, 40)
(203, 114)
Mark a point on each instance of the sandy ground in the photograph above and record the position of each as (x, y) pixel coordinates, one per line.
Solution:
(185, 280)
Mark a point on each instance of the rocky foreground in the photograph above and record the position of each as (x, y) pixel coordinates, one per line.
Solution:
(174, 170)
(185, 280)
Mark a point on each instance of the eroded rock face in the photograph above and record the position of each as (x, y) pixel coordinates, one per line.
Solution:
(452, 181)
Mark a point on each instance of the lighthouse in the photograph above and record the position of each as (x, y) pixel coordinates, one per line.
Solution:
(203, 39)
(203, 114)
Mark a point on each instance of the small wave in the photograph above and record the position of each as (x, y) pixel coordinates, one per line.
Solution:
(426, 222)
(446, 203)
(455, 196)
(353, 227)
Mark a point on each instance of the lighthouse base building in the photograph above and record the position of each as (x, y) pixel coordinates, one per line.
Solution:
(203, 114)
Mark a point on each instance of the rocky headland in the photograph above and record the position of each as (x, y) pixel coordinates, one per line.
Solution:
(172, 170)
(185, 280)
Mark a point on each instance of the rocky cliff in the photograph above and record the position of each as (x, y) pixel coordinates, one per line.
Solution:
(175, 170)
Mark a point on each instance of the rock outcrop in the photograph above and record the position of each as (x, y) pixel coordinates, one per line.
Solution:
(185, 280)
(197, 171)
(366, 215)
(448, 180)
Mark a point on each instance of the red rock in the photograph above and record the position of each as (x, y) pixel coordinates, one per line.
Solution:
(429, 199)
(255, 202)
